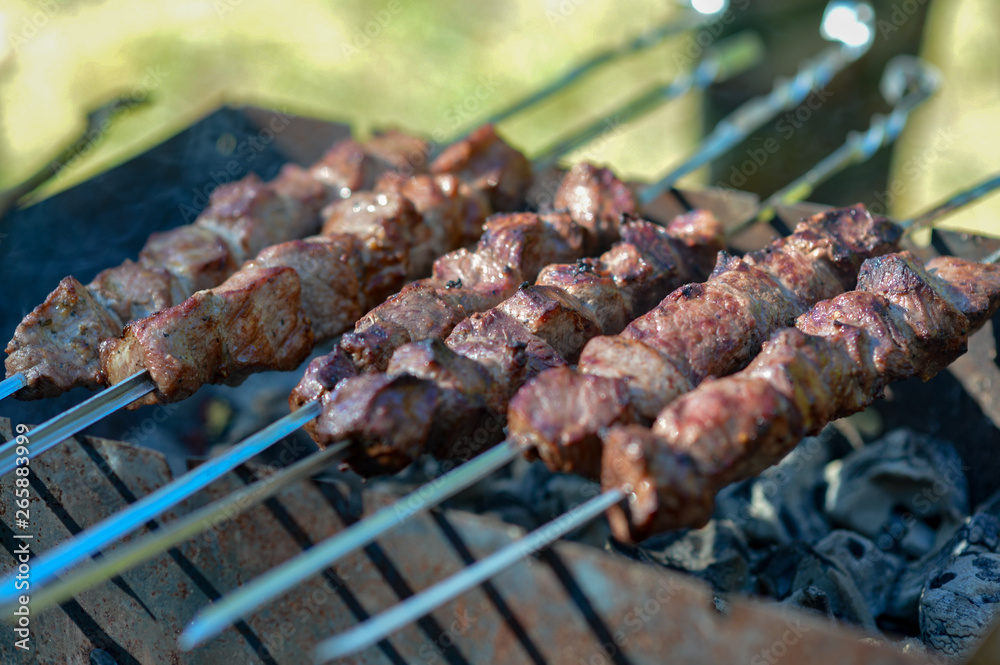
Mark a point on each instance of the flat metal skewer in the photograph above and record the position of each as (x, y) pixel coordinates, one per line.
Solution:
(156, 542)
(63, 557)
(404, 613)
(69, 422)
(12, 384)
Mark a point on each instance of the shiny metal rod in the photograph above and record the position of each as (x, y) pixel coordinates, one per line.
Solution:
(249, 597)
(68, 423)
(404, 613)
(12, 384)
(60, 558)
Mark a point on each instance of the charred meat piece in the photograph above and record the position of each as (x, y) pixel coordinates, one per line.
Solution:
(529, 242)
(251, 322)
(387, 226)
(351, 166)
(372, 410)
(448, 216)
(486, 164)
(569, 412)
(902, 322)
(55, 346)
(328, 268)
(418, 312)
(555, 316)
(586, 281)
(496, 325)
(596, 200)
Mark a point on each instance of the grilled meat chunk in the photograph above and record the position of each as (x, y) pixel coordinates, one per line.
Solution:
(253, 321)
(902, 322)
(597, 200)
(594, 287)
(569, 411)
(387, 226)
(372, 410)
(55, 344)
(329, 268)
(486, 164)
(555, 316)
(418, 312)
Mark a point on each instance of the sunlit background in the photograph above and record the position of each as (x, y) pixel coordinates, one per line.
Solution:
(435, 67)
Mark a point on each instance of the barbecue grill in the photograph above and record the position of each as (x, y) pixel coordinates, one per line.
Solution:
(570, 604)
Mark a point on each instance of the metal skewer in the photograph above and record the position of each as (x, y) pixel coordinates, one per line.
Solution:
(65, 556)
(12, 384)
(281, 579)
(405, 612)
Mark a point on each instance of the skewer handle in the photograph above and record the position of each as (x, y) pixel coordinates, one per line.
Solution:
(908, 82)
(961, 199)
(402, 614)
(787, 93)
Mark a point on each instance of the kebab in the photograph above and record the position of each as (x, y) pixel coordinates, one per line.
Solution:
(55, 348)
(786, 94)
(904, 321)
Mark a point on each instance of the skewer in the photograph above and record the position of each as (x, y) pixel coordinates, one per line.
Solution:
(59, 559)
(692, 17)
(849, 24)
(402, 614)
(12, 384)
(727, 59)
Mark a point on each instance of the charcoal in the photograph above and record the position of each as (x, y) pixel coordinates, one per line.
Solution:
(960, 603)
(907, 492)
(873, 570)
(716, 553)
(979, 534)
(780, 505)
(798, 574)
